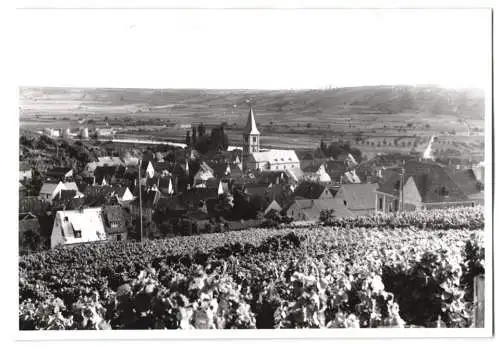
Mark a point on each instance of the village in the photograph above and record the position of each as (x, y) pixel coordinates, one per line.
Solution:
(156, 195)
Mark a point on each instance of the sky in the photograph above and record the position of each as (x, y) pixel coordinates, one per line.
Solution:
(253, 49)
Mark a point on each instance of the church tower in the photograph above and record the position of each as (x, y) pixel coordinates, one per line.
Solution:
(251, 136)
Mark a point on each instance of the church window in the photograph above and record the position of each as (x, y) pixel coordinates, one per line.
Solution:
(254, 139)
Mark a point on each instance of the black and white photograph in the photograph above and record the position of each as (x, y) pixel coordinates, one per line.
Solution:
(254, 169)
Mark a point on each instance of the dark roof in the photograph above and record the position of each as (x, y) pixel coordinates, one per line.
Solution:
(434, 182)
(58, 171)
(175, 204)
(467, 181)
(359, 196)
(256, 189)
(196, 195)
(67, 194)
(273, 177)
(99, 190)
(309, 190)
(113, 214)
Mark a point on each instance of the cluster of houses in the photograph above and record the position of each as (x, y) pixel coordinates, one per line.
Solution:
(103, 201)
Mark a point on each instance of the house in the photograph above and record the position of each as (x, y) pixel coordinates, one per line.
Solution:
(78, 226)
(50, 190)
(256, 189)
(273, 206)
(114, 222)
(310, 209)
(123, 194)
(341, 171)
(25, 171)
(426, 185)
(203, 175)
(255, 159)
(102, 161)
(312, 190)
(360, 199)
(106, 175)
(273, 177)
(60, 173)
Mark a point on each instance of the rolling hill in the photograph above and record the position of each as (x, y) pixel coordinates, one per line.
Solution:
(317, 106)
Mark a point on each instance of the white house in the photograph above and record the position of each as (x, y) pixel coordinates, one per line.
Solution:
(78, 226)
(50, 190)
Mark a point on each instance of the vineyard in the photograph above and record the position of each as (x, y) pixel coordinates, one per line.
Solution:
(409, 270)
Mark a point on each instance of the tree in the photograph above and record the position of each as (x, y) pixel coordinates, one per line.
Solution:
(224, 205)
(194, 137)
(201, 130)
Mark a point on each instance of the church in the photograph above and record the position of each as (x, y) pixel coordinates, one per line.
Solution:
(269, 160)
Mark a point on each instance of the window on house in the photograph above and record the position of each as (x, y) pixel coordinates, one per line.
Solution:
(119, 237)
(345, 203)
(78, 234)
(380, 203)
(254, 139)
(65, 219)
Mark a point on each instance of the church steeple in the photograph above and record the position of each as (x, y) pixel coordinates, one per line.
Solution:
(251, 136)
(251, 126)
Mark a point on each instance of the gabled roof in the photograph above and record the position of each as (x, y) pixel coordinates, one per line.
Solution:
(359, 196)
(276, 156)
(273, 177)
(49, 187)
(251, 126)
(433, 182)
(71, 186)
(58, 171)
(87, 221)
(121, 191)
(256, 189)
(295, 173)
(309, 190)
(467, 181)
(312, 208)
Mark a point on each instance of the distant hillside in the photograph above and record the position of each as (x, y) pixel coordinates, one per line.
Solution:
(280, 105)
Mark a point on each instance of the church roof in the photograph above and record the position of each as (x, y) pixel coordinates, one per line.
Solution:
(251, 126)
(276, 156)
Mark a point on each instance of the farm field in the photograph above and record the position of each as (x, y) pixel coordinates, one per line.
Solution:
(404, 270)
(289, 119)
